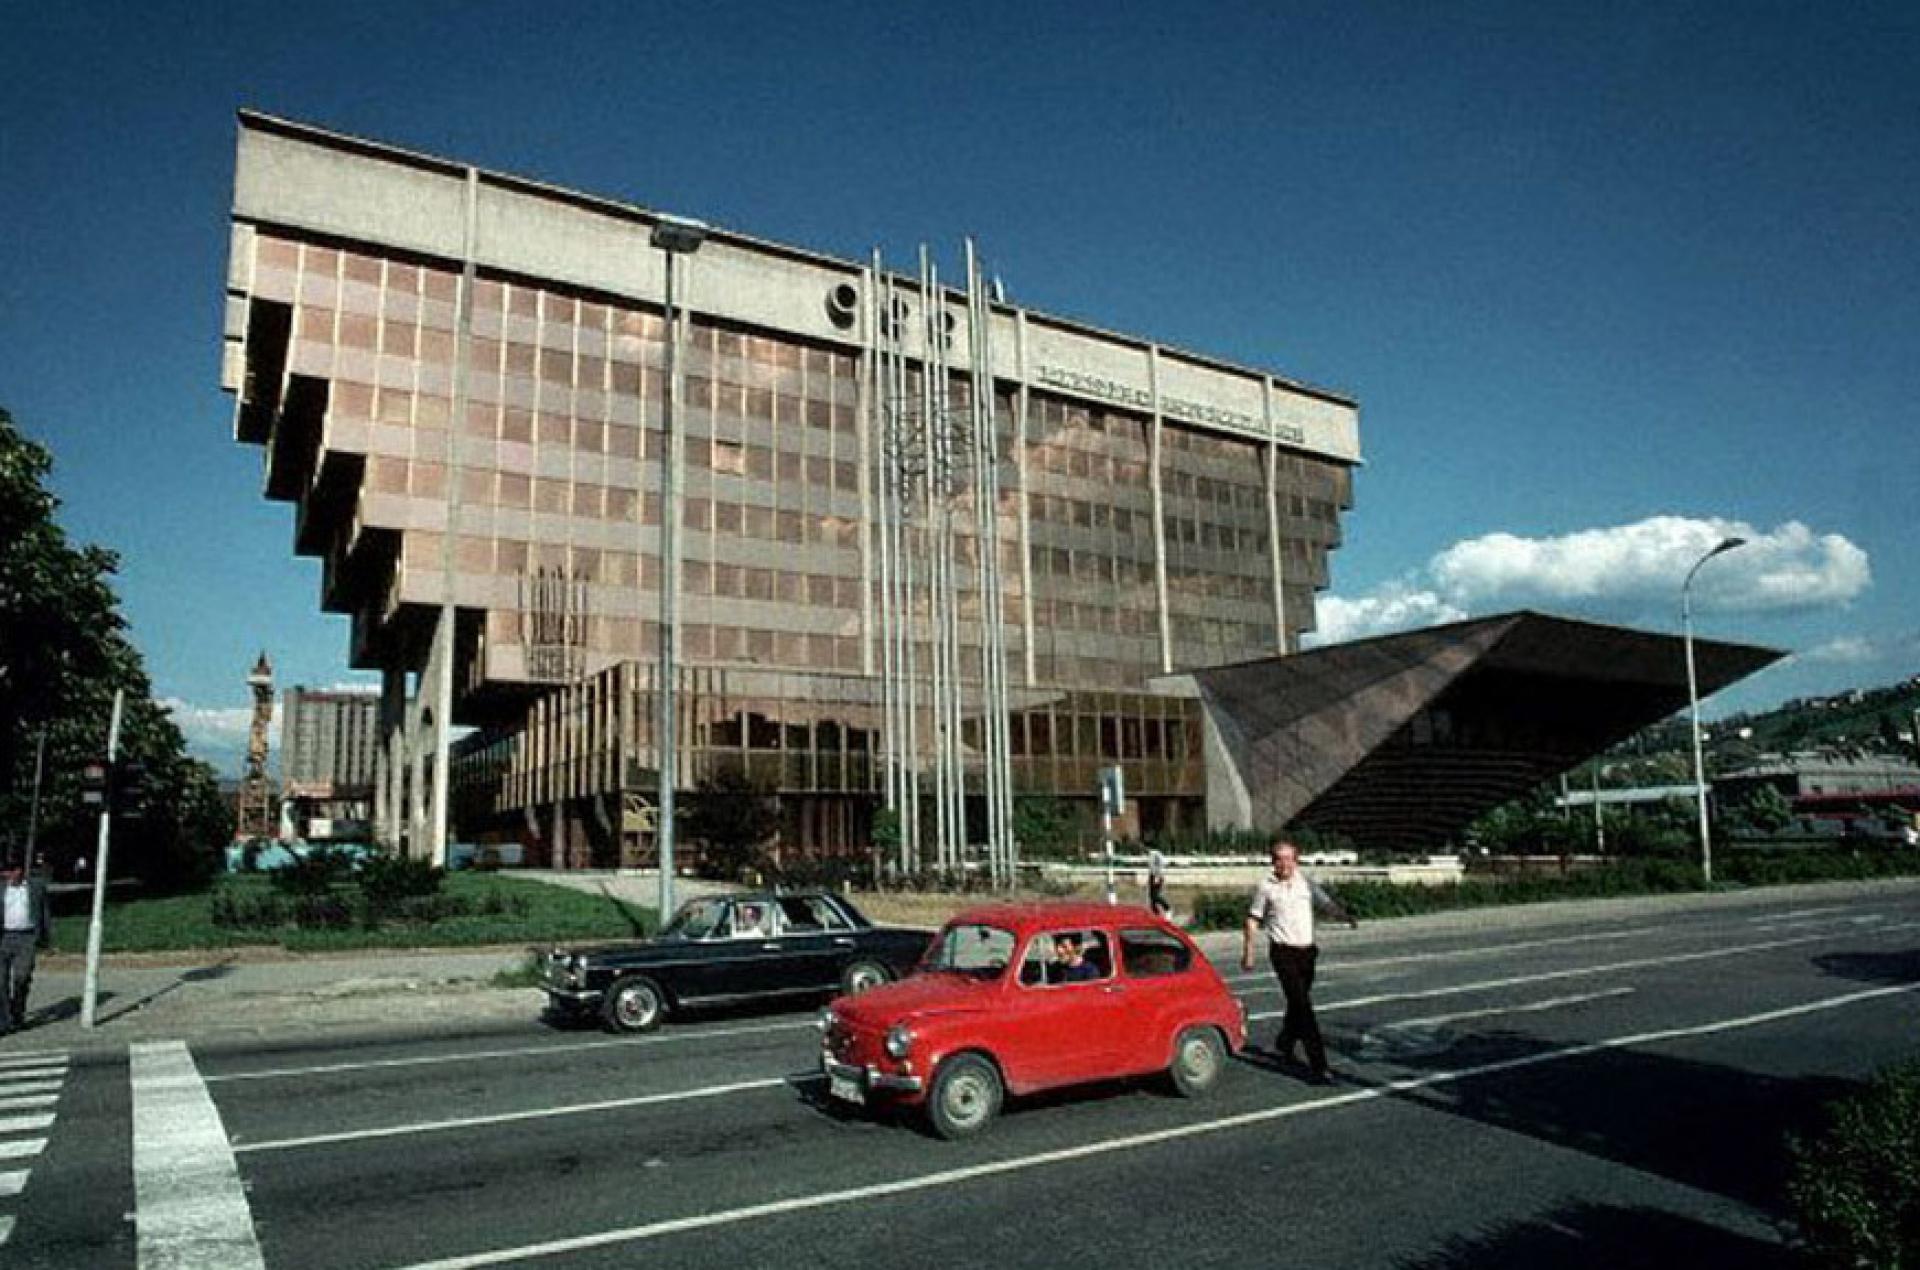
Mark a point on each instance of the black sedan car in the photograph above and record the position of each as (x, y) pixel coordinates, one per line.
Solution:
(730, 950)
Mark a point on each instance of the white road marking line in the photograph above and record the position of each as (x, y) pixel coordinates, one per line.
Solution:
(6, 1229)
(1452, 954)
(21, 1148)
(25, 1124)
(1041, 1159)
(29, 1102)
(190, 1212)
(1528, 1007)
(1576, 972)
(29, 1058)
(13, 1182)
(29, 1087)
(30, 1074)
(1800, 912)
(510, 1117)
(550, 1051)
(1799, 923)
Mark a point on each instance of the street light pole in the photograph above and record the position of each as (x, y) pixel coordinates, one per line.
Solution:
(1693, 702)
(674, 237)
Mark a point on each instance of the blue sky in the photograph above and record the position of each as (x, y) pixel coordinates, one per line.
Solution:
(1608, 283)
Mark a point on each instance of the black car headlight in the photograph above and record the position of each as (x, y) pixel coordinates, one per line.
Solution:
(825, 1020)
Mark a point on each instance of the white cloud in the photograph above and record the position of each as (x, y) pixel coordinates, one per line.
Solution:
(1619, 573)
(1860, 650)
(1398, 606)
(217, 727)
(1846, 650)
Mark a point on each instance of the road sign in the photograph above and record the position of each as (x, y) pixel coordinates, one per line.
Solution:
(1113, 791)
(96, 784)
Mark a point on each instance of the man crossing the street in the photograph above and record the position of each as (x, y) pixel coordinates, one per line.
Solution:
(1282, 910)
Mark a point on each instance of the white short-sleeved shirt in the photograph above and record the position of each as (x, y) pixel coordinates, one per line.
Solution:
(1284, 910)
(19, 907)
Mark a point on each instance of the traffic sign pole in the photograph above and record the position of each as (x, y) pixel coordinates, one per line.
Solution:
(92, 986)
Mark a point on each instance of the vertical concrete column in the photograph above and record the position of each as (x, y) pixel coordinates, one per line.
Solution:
(1155, 455)
(387, 759)
(442, 658)
(1022, 403)
(1282, 637)
(862, 406)
(420, 771)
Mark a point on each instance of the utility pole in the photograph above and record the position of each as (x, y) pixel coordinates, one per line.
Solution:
(33, 809)
(92, 985)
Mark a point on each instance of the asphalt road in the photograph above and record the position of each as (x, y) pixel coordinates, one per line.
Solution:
(1556, 1088)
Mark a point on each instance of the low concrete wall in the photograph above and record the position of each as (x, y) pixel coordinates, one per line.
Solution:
(1245, 874)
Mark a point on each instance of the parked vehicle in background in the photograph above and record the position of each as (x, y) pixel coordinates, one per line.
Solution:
(1014, 999)
(728, 950)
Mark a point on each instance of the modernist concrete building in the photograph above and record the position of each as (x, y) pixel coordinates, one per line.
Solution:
(422, 348)
(1400, 740)
(929, 539)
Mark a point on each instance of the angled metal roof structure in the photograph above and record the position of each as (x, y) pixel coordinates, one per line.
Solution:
(1402, 740)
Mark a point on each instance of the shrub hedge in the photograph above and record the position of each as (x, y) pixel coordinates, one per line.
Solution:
(1855, 1186)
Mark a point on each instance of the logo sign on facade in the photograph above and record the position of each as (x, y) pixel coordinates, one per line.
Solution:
(1174, 407)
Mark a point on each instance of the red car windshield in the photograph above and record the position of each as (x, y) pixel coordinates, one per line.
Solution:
(972, 949)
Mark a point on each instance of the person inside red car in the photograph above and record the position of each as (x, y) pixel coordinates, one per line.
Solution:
(1070, 964)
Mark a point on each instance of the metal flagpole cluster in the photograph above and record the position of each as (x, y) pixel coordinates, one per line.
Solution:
(938, 442)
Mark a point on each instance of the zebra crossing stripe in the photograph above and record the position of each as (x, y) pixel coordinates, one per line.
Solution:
(25, 1124)
(14, 1074)
(28, 1087)
(190, 1211)
(13, 1182)
(28, 1102)
(21, 1148)
(33, 1059)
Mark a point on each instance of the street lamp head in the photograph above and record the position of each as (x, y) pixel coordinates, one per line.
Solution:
(1720, 548)
(679, 234)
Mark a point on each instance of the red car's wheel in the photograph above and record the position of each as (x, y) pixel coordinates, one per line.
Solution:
(1199, 1060)
(966, 1096)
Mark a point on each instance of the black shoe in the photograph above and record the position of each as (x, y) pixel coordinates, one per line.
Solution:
(1323, 1077)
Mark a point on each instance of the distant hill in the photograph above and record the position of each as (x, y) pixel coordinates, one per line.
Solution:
(1859, 722)
(1872, 720)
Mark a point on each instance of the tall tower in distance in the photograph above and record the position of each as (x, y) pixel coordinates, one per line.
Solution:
(255, 818)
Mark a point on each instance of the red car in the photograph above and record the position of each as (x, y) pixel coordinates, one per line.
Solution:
(1016, 998)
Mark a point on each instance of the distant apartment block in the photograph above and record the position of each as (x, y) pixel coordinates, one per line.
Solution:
(328, 761)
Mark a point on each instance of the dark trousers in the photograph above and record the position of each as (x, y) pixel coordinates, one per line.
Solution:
(1294, 968)
(16, 977)
(1157, 897)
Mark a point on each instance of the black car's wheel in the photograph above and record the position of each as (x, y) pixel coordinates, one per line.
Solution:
(862, 975)
(1198, 1061)
(634, 1004)
(966, 1096)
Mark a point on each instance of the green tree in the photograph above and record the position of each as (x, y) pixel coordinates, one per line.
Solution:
(64, 650)
(1044, 826)
(734, 817)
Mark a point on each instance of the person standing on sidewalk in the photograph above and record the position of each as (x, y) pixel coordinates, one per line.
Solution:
(1157, 882)
(28, 927)
(1282, 909)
